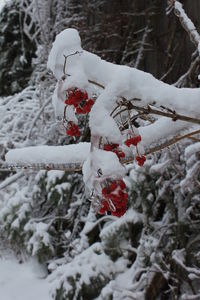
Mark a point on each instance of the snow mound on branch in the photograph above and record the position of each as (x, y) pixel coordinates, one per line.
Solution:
(49, 154)
(104, 161)
(67, 42)
(116, 82)
(128, 82)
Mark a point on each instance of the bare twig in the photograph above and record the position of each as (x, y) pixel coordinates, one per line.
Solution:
(66, 57)
(171, 142)
(172, 115)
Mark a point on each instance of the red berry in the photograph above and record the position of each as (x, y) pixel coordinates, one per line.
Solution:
(85, 96)
(107, 147)
(119, 212)
(122, 184)
(115, 146)
(133, 141)
(73, 130)
(86, 108)
(141, 160)
(105, 192)
(90, 102)
(104, 208)
(79, 110)
(120, 154)
(113, 186)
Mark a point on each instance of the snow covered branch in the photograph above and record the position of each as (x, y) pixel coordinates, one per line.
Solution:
(187, 24)
(111, 83)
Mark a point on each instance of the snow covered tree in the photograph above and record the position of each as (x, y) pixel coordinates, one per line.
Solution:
(17, 50)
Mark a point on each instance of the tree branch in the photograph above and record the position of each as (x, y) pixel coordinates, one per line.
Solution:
(11, 179)
(186, 23)
(172, 115)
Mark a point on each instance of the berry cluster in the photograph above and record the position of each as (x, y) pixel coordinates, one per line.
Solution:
(80, 101)
(82, 105)
(115, 149)
(133, 141)
(114, 198)
(72, 129)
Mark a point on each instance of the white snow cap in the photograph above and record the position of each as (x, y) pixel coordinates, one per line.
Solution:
(66, 42)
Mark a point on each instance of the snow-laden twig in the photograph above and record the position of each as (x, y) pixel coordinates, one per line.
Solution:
(37, 116)
(187, 24)
(11, 179)
(182, 80)
(141, 49)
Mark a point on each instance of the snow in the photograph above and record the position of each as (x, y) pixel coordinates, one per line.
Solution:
(98, 265)
(40, 237)
(24, 281)
(105, 161)
(160, 168)
(131, 216)
(56, 57)
(46, 154)
(192, 149)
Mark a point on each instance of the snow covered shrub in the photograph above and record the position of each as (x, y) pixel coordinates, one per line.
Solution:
(41, 218)
(149, 238)
(86, 275)
(14, 213)
(55, 205)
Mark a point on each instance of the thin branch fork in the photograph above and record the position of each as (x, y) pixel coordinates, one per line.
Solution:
(172, 115)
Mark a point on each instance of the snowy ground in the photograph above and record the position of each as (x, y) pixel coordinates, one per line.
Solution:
(22, 281)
